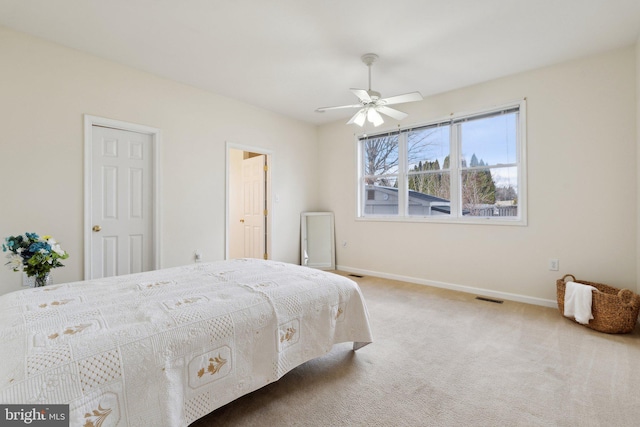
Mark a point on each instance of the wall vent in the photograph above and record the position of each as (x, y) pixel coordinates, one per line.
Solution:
(497, 301)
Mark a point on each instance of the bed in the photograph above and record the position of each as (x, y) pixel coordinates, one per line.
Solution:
(167, 347)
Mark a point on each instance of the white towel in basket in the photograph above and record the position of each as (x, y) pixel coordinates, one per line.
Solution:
(577, 301)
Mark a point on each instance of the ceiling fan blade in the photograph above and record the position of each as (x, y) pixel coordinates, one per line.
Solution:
(362, 95)
(323, 109)
(374, 117)
(391, 112)
(401, 99)
(358, 118)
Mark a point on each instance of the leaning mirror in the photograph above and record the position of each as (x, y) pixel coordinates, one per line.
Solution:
(317, 240)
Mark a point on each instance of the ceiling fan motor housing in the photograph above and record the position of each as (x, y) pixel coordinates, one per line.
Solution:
(373, 95)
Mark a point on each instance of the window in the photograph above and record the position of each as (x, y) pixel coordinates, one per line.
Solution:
(468, 168)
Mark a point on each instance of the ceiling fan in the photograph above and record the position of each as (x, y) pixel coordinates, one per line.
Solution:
(371, 104)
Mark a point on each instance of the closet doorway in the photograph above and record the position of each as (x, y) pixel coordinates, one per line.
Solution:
(121, 198)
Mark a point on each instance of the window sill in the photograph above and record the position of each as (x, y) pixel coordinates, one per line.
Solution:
(474, 221)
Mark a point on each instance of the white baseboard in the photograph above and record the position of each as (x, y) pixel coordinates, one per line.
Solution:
(462, 288)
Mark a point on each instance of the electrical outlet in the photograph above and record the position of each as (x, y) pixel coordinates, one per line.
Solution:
(554, 264)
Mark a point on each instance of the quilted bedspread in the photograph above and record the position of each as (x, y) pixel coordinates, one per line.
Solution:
(166, 347)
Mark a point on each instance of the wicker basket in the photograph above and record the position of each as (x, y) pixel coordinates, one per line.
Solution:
(615, 311)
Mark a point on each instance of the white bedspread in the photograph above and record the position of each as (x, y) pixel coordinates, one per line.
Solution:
(167, 347)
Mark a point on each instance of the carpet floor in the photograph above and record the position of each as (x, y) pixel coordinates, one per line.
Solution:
(444, 358)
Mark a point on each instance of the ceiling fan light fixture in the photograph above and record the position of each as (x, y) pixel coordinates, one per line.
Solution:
(374, 117)
(360, 117)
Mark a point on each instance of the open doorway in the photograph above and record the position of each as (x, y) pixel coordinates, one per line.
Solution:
(248, 224)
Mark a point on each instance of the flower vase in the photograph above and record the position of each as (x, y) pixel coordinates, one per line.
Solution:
(38, 281)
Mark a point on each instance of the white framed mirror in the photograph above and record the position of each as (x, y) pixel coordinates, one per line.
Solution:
(317, 245)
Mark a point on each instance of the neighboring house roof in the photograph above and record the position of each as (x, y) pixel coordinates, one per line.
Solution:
(433, 201)
(437, 204)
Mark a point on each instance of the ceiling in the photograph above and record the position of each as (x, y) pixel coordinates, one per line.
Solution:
(293, 56)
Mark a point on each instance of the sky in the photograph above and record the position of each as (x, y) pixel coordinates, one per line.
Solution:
(492, 139)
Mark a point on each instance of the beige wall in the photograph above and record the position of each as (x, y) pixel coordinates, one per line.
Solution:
(638, 162)
(45, 90)
(582, 170)
(581, 121)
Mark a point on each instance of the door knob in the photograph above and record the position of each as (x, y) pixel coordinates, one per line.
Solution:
(242, 220)
(96, 228)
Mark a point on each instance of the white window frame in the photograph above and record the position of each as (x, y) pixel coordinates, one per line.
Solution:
(454, 170)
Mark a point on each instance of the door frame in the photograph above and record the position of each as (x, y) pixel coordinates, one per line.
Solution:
(269, 160)
(156, 139)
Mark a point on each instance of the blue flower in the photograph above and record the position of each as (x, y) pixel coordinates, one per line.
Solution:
(38, 246)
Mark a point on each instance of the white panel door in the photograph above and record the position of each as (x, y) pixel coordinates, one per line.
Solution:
(254, 209)
(121, 207)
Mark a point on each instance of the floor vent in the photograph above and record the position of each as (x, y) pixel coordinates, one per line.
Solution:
(356, 275)
(497, 301)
